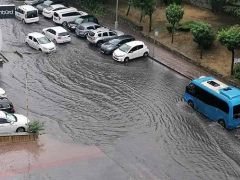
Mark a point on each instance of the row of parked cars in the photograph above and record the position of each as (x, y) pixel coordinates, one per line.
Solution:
(9, 121)
(111, 42)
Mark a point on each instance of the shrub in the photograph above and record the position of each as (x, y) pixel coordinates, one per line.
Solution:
(35, 127)
(186, 26)
(203, 35)
(237, 71)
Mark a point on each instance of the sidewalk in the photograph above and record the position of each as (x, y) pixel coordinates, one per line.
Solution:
(162, 55)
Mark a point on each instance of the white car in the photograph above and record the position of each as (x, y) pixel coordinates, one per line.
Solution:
(48, 12)
(11, 123)
(130, 50)
(27, 14)
(101, 35)
(40, 42)
(67, 15)
(57, 34)
(2, 93)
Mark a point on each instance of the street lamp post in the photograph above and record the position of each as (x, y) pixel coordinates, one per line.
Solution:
(116, 21)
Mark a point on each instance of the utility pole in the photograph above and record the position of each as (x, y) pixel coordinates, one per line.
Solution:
(116, 21)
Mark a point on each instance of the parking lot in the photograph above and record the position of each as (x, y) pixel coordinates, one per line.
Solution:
(131, 115)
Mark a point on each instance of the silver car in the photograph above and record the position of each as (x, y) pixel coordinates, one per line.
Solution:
(83, 29)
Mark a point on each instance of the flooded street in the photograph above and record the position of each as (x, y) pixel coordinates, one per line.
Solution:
(134, 113)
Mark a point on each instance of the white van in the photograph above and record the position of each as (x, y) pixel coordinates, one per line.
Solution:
(27, 14)
(67, 15)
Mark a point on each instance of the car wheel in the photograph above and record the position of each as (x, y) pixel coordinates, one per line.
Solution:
(190, 103)
(24, 21)
(20, 129)
(64, 24)
(145, 54)
(40, 49)
(222, 123)
(126, 60)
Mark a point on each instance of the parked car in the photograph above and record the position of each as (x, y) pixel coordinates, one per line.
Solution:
(83, 29)
(130, 50)
(27, 14)
(6, 105)
(66, 15)
(83, 19)
(43, 5)
(34, 2)
(111, 45)
(2, 93)
(11, 123)
(101, 35)
(40, 42)
(48, 12)
(57, 34)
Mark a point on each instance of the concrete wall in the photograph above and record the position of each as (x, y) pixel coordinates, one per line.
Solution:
(200, 3)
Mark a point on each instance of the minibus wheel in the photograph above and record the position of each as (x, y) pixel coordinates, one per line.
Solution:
(190, 103)
(222, 123)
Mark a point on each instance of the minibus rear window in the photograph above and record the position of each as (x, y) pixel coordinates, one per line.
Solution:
(32, 14)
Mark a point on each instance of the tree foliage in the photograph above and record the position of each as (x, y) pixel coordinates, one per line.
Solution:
(230, 38)
(203, 35)
(174, 13)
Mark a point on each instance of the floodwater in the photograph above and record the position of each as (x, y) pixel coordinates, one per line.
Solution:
(134, 113)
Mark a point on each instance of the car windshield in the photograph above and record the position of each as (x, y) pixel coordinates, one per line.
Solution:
(43, 40)
(78, 21)
(114, 41)
(10, 117)
(63, 34)
(32, 14)
(236, 111)
(125, 48)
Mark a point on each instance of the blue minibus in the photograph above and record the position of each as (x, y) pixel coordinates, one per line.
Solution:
(216, 100)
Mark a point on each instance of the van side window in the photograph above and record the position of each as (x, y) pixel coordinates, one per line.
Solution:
(105, 34)
(112, 33)
(30, 37)
(211, 100)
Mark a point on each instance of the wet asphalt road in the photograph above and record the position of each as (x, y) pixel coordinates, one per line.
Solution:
(134, 113)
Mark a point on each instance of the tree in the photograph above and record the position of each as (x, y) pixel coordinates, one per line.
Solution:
(203, 35)
(149, 7)
(130, 3)
(230, 38)
(174, 14)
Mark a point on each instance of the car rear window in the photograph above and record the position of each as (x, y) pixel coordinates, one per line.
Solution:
(91, 33)
(63, 34)
(32, 14)
(56, 14)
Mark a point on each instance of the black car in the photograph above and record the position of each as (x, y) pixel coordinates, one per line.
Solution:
(6, 105)
(111, 45)
(83, 19)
